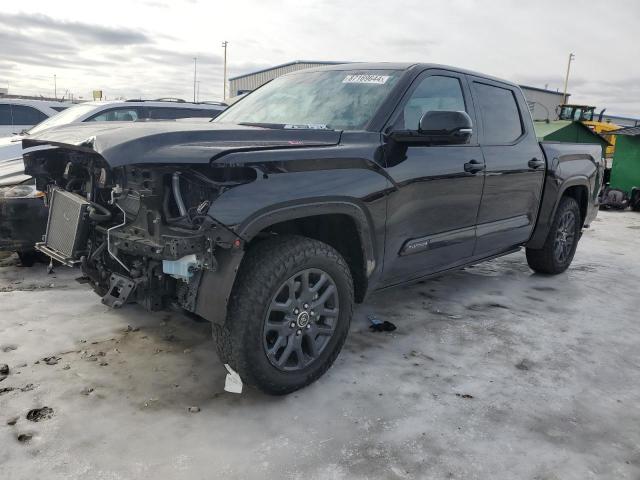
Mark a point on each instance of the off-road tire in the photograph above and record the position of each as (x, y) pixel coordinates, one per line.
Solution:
(264, 269)
(545, 260)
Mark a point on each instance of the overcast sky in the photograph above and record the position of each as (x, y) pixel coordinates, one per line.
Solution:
(145, 48)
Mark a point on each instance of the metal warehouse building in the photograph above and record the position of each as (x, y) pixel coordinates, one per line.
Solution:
(542, 102)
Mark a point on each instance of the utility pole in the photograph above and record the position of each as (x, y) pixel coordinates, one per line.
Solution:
(198, 92)
(566, 79)
(195, 73)
(55, 87)
(224, 85)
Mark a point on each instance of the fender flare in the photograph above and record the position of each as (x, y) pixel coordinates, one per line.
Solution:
(553, 192)
(313, 207)
(216, 288)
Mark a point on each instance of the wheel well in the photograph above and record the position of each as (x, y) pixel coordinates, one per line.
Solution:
(339, 231)
(580, 194)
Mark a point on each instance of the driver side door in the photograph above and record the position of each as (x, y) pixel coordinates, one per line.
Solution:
(433, 209)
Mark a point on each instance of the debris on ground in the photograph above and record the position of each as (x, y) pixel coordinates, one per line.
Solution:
(28, 387)
(464, 395)
(12, 421)
(232, 382)
(378, 325)
(194, 409)
(9, 348)
(6, 390)
(25, 437)
(524, 364)
(4, 369)
(51, 360)
(132, 329)
(86, 390)
(39, 414)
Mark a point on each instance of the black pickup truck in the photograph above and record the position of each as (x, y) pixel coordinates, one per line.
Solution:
(306, 195)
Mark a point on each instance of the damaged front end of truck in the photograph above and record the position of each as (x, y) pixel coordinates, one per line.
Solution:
(140, 233)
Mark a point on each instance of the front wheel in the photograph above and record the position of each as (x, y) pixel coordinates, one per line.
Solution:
(289, 314)
(558, 250)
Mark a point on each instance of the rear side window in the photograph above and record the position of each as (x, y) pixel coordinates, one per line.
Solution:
(501, 119)
(173, 113)
(23, 115)
(5, 114)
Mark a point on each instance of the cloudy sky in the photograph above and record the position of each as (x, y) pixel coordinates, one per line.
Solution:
(145, 48)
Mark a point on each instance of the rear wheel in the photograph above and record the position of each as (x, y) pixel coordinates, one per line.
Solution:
(289, 314)
(558, 250)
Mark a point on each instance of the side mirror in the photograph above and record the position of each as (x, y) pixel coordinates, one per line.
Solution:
(448, 127)
(438, 127)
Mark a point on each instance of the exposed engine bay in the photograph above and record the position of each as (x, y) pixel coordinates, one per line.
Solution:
(139, 233)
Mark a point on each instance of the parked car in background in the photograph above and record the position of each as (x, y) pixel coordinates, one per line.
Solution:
(313, 191)
(22, 210)
(18, 114)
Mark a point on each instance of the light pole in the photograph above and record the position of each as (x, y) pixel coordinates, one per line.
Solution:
(55, 87)
(224, 79)
(198, 92)
(195, 73)
(566, 79)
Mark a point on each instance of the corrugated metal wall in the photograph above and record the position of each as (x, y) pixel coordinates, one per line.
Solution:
(540, 102)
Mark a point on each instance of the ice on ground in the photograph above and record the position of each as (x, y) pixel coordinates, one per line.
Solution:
(494, 372)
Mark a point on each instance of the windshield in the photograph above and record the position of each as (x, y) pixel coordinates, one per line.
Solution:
(332, 99)
(69, 115)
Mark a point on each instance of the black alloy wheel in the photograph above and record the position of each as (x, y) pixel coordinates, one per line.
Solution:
(301, 320)
(565, 236)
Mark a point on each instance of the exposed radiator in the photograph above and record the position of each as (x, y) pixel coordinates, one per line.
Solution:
(65, 239)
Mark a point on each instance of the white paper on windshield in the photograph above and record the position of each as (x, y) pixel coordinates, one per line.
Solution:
(307, 126)
(368, 78)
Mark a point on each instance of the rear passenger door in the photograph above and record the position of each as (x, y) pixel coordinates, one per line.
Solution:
(514, 167)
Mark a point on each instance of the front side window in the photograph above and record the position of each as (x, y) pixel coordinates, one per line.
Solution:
(331, 99)
(435, 92)
(23, 115)
(68, 115)
(116, 115)
(500, 114)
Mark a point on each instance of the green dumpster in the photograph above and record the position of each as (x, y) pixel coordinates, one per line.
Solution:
(625, 173)
(568, 131)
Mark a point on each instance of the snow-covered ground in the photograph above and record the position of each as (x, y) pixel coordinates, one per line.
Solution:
(493, 373)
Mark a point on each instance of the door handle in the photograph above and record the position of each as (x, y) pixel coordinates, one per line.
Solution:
(534, 163)
(473, 166)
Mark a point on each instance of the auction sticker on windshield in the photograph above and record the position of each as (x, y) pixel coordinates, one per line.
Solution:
(368, 78)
